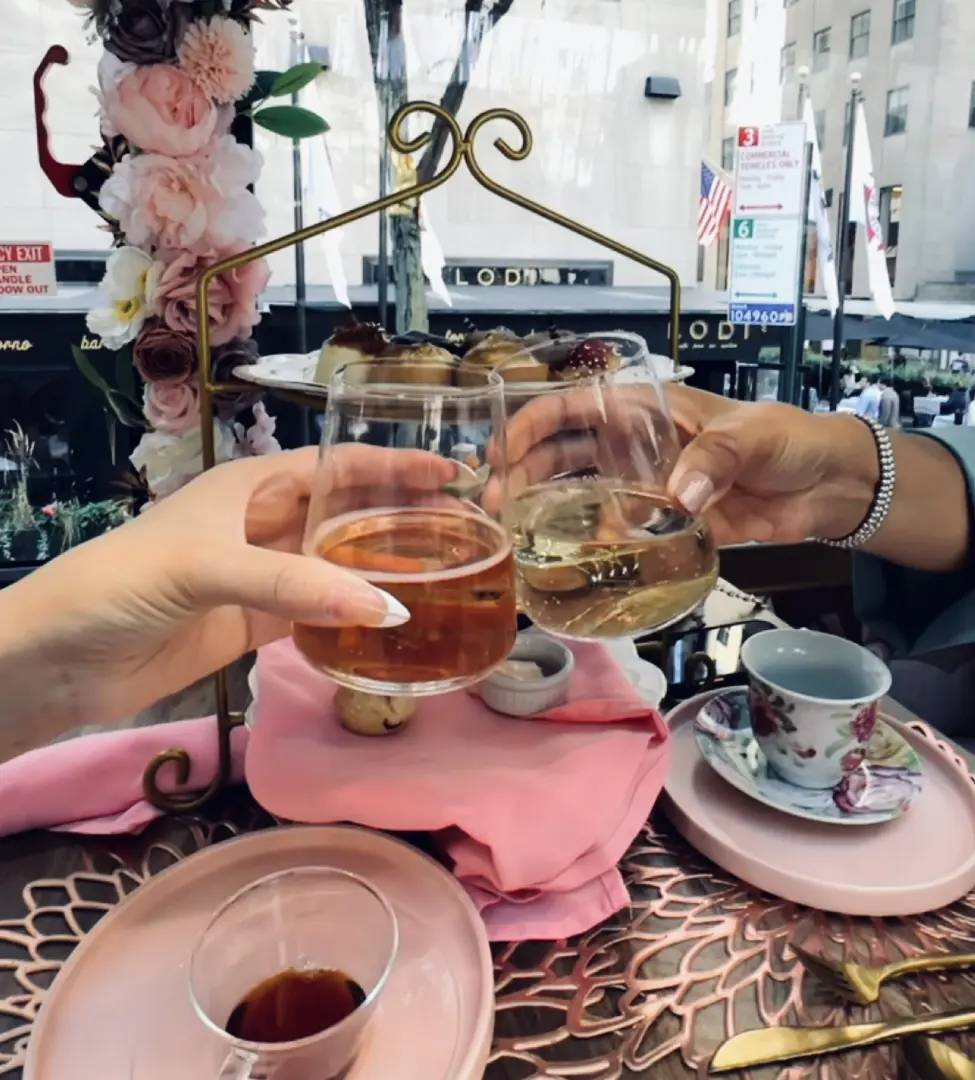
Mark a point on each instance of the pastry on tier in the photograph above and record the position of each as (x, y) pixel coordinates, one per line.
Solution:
(405, 357)
(590, 356)
(502, 351)
(349, 343)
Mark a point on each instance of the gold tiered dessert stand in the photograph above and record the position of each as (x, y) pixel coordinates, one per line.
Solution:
(462, 151)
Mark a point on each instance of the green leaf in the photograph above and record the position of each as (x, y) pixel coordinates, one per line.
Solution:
(296, 78)
(88, 369)
(126, 410)
(124, 373)
(291, 121)
(263, 81)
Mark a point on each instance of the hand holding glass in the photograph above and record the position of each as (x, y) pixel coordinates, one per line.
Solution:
(601, 550)
(390, 503)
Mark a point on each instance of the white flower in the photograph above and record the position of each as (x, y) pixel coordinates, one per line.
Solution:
(172, 461)
(258, 439)
(121, 308)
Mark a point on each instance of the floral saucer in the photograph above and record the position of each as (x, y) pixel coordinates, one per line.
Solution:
(881, 788)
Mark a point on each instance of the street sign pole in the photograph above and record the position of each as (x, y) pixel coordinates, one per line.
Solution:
(789, 382)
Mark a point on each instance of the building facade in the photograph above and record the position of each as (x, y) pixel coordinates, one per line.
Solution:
(916, 60)
(604, 153)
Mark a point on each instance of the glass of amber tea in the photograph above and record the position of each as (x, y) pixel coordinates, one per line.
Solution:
(601, 549)
(398, 499)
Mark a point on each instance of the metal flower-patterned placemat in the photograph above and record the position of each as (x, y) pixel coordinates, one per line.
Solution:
(696, 957)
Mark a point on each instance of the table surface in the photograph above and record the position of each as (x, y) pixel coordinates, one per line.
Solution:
(650, 993)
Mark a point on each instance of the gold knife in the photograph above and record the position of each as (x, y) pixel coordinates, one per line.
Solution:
(768, 1045)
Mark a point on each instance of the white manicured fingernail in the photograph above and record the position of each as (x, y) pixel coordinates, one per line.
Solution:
(396, 613)
(694, 491)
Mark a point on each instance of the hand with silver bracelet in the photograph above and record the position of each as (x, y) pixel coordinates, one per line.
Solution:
(775, 473)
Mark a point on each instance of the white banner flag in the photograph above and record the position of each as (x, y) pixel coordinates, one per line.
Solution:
(818, 215)
(320, 194)
(864, 202)
(432, 257)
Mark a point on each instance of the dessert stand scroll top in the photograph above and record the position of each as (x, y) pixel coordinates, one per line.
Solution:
(462, 151)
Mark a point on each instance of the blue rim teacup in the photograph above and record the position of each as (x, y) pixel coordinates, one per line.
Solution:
(813, 700)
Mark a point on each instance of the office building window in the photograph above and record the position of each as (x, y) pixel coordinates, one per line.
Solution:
(890, 221)
(728, 154)
(971, 109)
(860, 35)
(847, 123)
(903, 20)
(787, 62)
(821, 50)
(896, 121)
(821, 126)
(730, 78)
(734, 18)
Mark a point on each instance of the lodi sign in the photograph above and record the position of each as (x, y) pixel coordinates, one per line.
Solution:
(27, 269)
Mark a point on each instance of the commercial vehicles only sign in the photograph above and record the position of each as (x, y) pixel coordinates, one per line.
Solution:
(27, 269)
(767, 220)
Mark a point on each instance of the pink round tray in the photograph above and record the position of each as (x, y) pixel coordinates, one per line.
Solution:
(919, 862)
(120, 1007)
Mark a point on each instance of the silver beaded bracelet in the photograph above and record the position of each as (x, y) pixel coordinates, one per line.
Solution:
(884, 495)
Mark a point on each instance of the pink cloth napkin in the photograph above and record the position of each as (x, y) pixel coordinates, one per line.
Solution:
(93, 784)
(535, 815)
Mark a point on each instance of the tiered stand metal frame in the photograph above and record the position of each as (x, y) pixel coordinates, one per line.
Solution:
(462, 151)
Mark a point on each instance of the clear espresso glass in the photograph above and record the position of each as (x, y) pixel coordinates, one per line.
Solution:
(398, 499)
(601, 550)
(303, 922)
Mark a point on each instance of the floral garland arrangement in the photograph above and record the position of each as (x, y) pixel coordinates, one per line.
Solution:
(177, 85)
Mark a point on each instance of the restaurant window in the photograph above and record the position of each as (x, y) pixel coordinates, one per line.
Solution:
(821, 46)
(728, 154)
(734, 18)
(787, 62)
(903, 21)
(730, 78)
(896, 119)
(821, 126)
(860, 35)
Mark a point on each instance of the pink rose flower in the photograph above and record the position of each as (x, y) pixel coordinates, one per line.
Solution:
(188, 204)
(160, 109)
(232, 295)
(864, 723)
(172, 407)
(219, 57)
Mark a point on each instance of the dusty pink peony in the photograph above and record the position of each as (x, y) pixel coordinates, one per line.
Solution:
(233, 296)
(160, 109)
(219, 57)
(172, 407)
(189, 204)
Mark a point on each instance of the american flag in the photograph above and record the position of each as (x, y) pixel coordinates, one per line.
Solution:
(714, 204)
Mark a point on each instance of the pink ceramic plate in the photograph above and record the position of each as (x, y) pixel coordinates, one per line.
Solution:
(921, 861)
(120, 1009)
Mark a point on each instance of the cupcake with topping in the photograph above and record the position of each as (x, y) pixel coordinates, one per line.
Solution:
(350, 342)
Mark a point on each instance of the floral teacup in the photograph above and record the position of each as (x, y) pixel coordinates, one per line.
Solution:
(813, 700)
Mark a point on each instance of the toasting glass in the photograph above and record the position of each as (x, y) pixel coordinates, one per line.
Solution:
(398, 500)
(601, 549)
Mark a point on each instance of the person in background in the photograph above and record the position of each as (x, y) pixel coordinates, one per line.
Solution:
(957, 403)
(868, 403)
(890, 404)
(851, 381)
(926, 406)
(970, 409)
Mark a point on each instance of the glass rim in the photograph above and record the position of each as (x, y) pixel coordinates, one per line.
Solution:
(406, 391)
(262, 882)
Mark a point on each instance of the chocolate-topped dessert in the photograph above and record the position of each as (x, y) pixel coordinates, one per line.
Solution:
(350, 342)
(553, 347)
